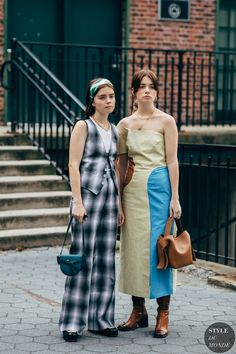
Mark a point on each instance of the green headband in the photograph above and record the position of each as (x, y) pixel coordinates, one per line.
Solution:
(94, 87)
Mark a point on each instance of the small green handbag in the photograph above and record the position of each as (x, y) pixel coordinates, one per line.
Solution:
(72, 264)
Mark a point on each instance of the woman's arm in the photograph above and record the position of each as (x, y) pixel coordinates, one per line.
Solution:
(122, 160)
(171, 147)
(121, 214)
(122, 164)
(77, 143)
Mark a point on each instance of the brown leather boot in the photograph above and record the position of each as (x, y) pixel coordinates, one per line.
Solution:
(161, 329)
(138, 317)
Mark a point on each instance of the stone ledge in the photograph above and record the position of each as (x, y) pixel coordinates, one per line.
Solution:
(215, 273)
(224, 135)
(223, 281)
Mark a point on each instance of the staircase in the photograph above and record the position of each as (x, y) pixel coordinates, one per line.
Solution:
(34, 200)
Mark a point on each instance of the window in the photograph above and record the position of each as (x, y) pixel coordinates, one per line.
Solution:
(225, 62)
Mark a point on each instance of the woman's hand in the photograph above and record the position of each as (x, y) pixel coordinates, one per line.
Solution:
(78, 211)
(121, 217)
(175, 208)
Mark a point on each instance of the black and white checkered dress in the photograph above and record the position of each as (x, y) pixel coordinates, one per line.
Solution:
(89, 296)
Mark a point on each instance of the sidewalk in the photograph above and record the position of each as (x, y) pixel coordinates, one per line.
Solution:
(31, 288)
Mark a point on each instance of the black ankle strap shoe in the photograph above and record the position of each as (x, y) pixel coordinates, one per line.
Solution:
(70, 336)
(108, 332)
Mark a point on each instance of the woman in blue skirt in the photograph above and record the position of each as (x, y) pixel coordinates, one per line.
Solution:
(149, 178)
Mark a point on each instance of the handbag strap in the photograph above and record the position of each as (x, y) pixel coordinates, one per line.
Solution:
(169, 225)
(67, 232)
(180, 228)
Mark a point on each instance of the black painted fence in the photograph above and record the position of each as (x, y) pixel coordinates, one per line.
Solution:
(46, 109)
(196, 87)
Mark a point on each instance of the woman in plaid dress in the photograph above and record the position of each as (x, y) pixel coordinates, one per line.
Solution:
(89, 296)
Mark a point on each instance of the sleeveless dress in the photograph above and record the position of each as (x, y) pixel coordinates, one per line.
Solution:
(89, 296)
(146, 200)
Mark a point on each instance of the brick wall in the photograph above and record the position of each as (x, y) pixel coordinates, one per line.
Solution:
(1, 57)
(147, 30)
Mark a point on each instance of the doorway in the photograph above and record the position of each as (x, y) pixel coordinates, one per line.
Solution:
(88, 23)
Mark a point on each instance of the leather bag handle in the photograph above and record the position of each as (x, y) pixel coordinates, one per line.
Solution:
(67, 232)
(169, 225)
(179, 225)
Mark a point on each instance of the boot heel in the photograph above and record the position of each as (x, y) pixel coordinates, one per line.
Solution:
(143, 322)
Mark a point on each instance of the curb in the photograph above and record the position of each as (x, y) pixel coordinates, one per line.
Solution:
(214, 273)
(223, 281)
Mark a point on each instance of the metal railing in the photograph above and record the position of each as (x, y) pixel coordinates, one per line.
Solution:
(208, 198)
(42, 106)
(196, 87)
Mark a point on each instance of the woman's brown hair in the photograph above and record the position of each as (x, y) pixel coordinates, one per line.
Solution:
(89, 108)
(137, 78)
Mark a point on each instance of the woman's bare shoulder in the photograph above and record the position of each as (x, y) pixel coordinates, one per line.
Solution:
(125, 122)
(80, 124)
(80, 127)
(166, 118)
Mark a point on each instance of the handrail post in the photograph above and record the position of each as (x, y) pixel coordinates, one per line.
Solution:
(12, 92)
(180, 81)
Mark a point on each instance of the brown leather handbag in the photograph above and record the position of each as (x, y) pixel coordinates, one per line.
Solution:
(175, 252)
(130, 171)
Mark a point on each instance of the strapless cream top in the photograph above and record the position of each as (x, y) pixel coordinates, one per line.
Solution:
(146, 147)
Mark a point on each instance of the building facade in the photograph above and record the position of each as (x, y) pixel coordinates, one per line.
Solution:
(206, 25)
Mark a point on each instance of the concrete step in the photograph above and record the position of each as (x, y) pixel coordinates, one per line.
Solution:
(24, 152)
(41, 183)
(14, 139)
(35, 200)
(19, 219)
(24, 168)
(225, 135)
(32, 237)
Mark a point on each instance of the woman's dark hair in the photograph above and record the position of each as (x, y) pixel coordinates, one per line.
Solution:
(136, 81)
(89, 108)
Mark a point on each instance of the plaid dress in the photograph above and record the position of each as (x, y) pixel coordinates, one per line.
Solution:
(89, 296)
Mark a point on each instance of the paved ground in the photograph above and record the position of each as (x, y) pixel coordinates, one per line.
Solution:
(31, 288)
